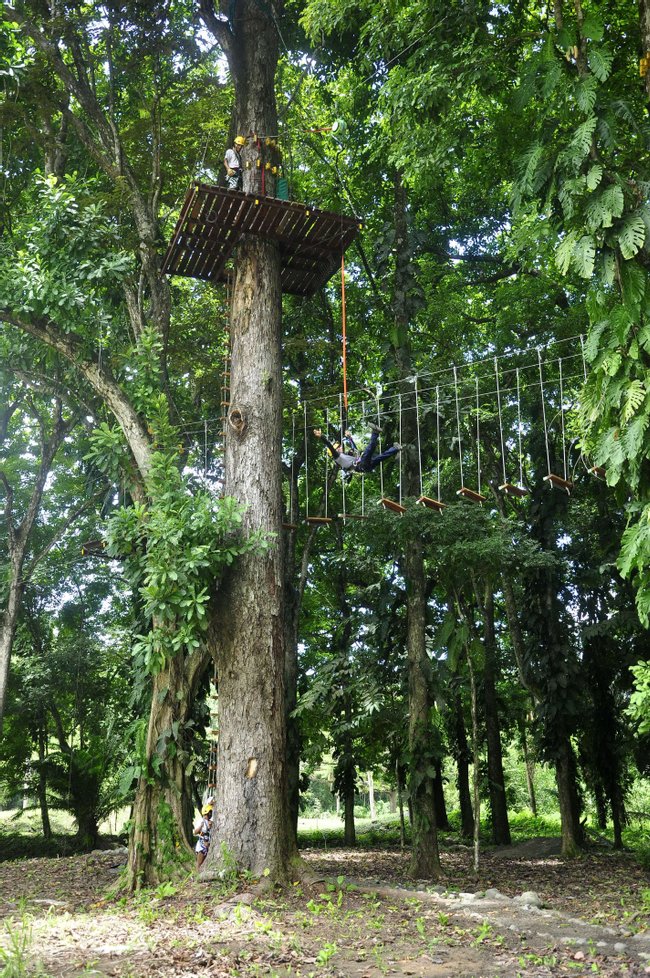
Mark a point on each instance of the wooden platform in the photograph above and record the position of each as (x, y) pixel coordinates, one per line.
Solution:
(213, 219)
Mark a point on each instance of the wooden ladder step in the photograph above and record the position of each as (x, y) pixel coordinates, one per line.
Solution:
(511, 490)
(474, 497)
(558, 482)
(392, 506)
(431, 503)
(318, 520)
(598, 471)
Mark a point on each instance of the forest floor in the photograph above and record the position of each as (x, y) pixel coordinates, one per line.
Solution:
(355, 913)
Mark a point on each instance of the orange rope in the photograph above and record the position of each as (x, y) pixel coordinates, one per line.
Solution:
(345, 374)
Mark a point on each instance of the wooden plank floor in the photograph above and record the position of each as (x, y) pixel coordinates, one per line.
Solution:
(213, 219)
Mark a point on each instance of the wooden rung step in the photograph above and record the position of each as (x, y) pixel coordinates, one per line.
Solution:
(559, 482)
(430, 503)
(392, 506)
(474, 497)
(511, 490)
(318, 520)
(289, 526)
(598, 471)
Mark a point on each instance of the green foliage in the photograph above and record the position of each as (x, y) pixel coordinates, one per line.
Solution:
(175, 548)
(639, 708)
(65, 259)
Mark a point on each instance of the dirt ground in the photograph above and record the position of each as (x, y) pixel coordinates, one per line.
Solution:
(355, 913)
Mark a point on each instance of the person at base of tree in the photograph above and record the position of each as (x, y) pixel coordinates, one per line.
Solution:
(355, 461)
(202, 828)
(232, 163)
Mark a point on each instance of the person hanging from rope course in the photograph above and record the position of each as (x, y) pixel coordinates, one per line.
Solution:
(232, 163)
(356, 461)
(202, 828)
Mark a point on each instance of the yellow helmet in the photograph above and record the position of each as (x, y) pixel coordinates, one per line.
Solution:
(206, 809)
(240, 141)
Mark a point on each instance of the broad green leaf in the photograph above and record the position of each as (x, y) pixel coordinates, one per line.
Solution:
(631, 235)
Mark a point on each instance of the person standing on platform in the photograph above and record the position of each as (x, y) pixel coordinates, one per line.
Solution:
(232, 163)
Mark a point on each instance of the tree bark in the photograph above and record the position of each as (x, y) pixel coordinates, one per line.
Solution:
(42, 783)
(425, 859)
(565, 776)
(496, 781)
(162, 813)
(463, 756)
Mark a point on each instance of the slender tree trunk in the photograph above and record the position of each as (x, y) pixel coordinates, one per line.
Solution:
(371, 796)
(476, 761)
(463, 756)
(42, 783)
(440, 808)
(529, 763)
(8, 628)
(496, 781)
(400, 802)
(565, 775)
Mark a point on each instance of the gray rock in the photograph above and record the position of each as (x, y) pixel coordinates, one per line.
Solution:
(495, 894)
(620, 947)
(528, 899)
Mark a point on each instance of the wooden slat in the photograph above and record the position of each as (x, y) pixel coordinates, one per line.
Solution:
(318, 520)
(598, 471)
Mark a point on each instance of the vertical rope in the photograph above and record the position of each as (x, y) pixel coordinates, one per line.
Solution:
(343, 323)
(478, 439)
(363, 478)
(327, 429)
(541, 390)
(584, 359)
(417, 426)
(306, 464)
(503, 447)
(205, 449)
(381, 464)
(343, 419)
(399, 403)
(521, 456)
(562, 420)
(438, 438)
(460, 445)
(293, 462)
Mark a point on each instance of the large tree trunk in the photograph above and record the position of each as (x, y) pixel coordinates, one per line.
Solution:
(251, 821)
(496, 782)
(425, 860)
(251, 804)
(162, 811)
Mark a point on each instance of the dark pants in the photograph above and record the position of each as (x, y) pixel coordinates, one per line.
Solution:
(367, 463)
